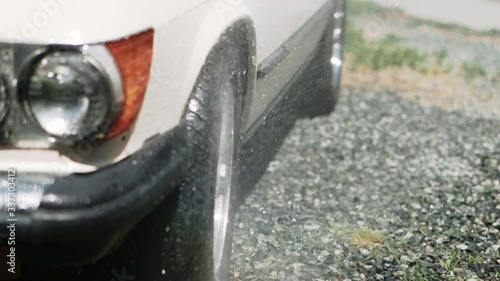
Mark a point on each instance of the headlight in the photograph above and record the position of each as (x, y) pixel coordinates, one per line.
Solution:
(69, 94)
(54, 96)
(3, 100)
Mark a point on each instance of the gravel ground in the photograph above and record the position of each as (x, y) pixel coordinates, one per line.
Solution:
(383, 189)
(401, 183)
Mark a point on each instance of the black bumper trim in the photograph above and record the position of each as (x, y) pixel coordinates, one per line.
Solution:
(90, 213)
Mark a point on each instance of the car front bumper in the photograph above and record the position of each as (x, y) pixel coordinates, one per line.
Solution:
(80, 218)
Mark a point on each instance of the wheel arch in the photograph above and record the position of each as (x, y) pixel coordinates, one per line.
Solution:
(240, 34)
(181, 51)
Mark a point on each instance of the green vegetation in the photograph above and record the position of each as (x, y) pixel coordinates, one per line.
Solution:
(473, 70)
(340, 230)
(359, 7)
(455, 28)
(404, 255)
(441, 55)
(418, 273)
(382, 54)
(474, 259)
(390, 52)
(451, 260)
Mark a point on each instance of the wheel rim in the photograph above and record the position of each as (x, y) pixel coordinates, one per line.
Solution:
(224, 182)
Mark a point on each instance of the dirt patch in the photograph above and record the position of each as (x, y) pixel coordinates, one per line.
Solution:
(446, 91)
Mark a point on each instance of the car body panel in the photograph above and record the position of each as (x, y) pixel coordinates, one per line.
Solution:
(80, 202)
(294, 53)
(85, 22)
(185, 32)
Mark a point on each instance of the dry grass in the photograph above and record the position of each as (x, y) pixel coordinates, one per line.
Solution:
(368, 238)
(447, 91)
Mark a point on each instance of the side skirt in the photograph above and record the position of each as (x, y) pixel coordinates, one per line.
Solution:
(309, 94)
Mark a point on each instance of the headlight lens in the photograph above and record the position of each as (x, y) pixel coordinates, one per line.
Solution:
(3, 100)
(68, 94)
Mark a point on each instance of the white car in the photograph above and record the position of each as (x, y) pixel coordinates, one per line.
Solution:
(130, 130)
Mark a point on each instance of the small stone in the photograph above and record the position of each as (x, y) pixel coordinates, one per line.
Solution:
(317, 203)
(297, 265)
(365, 252)
(462, 247)
(440, 240)
(408, 235)
(379, 277)
(399, 273)
(391, 162)
(389, 259)
(416, 206)
(236, 275)
(312, 227)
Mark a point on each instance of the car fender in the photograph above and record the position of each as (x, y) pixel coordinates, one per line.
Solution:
(181, 49)
(85, 22)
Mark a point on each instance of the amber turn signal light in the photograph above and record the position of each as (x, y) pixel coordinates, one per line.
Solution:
(133, 56)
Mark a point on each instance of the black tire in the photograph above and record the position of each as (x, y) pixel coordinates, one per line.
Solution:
(189, 243)
(176, 241)
(202, 246)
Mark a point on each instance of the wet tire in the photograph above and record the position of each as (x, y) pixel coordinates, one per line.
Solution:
(188, 237)
(202, 225)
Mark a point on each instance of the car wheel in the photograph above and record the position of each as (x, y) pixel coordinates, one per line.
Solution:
(201, 230)
(188, 236)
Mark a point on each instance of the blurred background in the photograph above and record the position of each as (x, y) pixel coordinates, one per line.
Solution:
(441, 52)
(402, 182)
